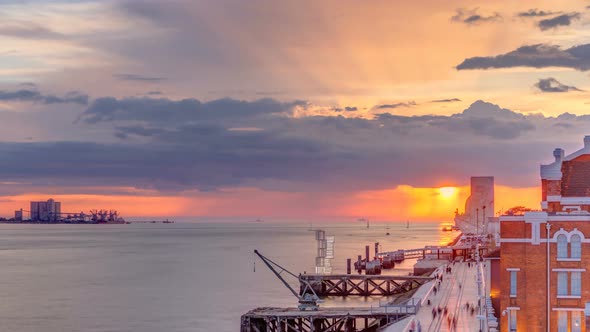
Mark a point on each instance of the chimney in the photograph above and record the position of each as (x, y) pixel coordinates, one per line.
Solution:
(586, 142)
(559, 153)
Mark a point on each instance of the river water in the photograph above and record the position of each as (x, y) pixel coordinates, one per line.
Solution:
(170, 277)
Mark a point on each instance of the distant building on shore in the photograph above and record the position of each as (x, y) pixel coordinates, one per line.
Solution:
(46, 211)
(544, 255)
(18, 215)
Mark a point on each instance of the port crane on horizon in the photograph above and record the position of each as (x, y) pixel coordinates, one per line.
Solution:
(93, 215)
(307, 301)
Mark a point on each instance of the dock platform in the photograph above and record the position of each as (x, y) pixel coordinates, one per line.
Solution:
(324, 320)
(361, 285)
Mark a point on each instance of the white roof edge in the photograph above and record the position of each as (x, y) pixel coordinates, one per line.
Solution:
(582, 151)
(552, 171)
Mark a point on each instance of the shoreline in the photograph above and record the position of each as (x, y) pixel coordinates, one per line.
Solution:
(86, 222)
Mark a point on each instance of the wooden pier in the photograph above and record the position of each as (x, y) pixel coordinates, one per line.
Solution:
(361, 285)
(323, 320)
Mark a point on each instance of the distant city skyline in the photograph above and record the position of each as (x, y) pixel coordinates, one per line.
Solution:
(287, 109)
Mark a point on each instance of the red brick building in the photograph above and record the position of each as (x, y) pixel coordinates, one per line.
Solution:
(545, 254)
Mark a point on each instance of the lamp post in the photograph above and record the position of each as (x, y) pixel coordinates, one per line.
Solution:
(548, 227)
(477, 220)
(484, 216)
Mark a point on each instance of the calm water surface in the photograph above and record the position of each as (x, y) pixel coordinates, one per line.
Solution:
(168, 277)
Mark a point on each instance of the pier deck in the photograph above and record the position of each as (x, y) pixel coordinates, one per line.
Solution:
(324, 320)
(362, 285)
(457, 288)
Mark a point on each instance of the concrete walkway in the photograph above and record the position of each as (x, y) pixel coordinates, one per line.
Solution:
(453, 292)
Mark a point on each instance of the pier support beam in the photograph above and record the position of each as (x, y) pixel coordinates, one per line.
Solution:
(326, 320)
(361, 285)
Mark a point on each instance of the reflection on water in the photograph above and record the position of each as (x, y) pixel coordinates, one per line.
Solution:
(174, 277)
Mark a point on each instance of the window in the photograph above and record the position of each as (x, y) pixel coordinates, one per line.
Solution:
(561, 283)
(562, 321)
(512, 283)
(576, 243)
(561, 246)
(576, 321)
(512, 320)
(576, 283)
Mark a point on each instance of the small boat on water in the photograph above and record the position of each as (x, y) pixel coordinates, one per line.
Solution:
(450, 228)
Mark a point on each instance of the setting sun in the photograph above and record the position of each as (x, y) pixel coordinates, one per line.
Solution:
(447, 192)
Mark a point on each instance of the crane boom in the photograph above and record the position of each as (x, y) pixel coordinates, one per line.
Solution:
(307, 301)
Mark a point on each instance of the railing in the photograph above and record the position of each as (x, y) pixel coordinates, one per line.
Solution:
(409, 307)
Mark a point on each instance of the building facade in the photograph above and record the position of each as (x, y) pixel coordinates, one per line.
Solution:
(46, 211)
(544, 280)
(18, 215)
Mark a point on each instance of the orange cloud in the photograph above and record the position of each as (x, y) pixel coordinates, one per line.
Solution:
(397, 204)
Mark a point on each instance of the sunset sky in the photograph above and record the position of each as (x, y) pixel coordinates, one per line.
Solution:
(292, 110)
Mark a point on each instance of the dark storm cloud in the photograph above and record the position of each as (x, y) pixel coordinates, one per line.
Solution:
(141, 78)
(561, 20)
(175, 145)
(550, 84)
(38, 97)
(536, 56)
(200, 157)
(158, 111)
(396, 105)
(450, 100)
(536, 13)
(471, 17)
(164, 116)
(480, 119)
(488, 126)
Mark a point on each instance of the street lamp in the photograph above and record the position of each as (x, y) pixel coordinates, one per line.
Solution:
(477, 220)
(484, 216)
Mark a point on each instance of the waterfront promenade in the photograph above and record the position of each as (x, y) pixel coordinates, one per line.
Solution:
(456, 289)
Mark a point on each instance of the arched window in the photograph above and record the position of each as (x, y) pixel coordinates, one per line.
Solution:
(576, 243)
(561, 246)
